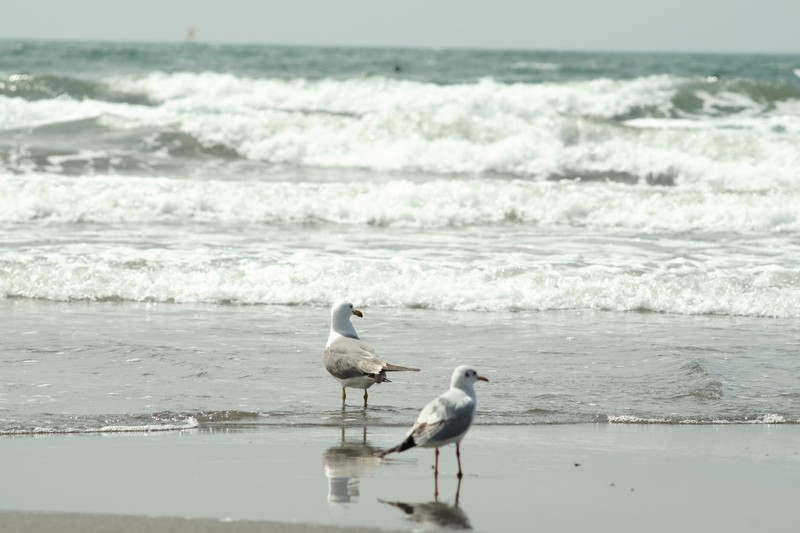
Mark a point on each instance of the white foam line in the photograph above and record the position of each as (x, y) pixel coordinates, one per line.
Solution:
(766, 419)
(191, 423)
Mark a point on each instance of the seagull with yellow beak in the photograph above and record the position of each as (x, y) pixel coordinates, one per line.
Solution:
(350, 361)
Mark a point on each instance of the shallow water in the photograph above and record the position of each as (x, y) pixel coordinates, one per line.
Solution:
(102, 367)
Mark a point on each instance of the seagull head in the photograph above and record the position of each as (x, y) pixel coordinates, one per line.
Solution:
(465, 376)
(341, 311)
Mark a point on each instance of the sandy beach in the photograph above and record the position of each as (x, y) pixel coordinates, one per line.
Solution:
(583, 477)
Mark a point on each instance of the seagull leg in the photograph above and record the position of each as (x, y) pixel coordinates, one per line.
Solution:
(436, 477)
(365, 398)
(458, 457)
(458, 491)
(344, 395)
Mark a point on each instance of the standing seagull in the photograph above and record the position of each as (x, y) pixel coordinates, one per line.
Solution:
(351, 362)
(446, 419)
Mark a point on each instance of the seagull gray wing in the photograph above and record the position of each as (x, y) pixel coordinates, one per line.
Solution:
(348, 358)
(447, 417)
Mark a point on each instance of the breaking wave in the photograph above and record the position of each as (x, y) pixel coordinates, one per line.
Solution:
(401, 203)
(654, 129)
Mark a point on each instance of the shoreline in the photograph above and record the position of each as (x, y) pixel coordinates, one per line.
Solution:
(552, 477)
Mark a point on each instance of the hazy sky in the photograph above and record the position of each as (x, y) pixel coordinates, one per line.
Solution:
(644, 25)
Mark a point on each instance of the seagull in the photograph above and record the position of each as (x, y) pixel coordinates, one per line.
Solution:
(446, 419)
(350, 361)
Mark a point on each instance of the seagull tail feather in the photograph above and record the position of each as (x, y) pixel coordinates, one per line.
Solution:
(403, 446)
(396, 368)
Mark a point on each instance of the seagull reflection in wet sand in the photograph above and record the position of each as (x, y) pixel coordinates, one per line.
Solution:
(435, 514)
(347, 462)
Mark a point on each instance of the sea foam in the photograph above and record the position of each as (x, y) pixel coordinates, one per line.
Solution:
(761, 419)
(398, 203)
(598, 129)
(259, 274)
(190, 423)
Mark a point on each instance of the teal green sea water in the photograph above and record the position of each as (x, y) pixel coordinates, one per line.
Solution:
(642, 206)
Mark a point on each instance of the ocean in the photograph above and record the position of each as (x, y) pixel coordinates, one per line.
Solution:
(610, 237)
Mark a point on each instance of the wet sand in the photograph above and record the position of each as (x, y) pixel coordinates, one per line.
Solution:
(581, 477)
(84, 523)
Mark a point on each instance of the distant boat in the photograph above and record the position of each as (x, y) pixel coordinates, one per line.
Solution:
(190, 35)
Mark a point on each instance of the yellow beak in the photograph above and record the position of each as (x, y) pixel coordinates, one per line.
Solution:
(357, 312)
